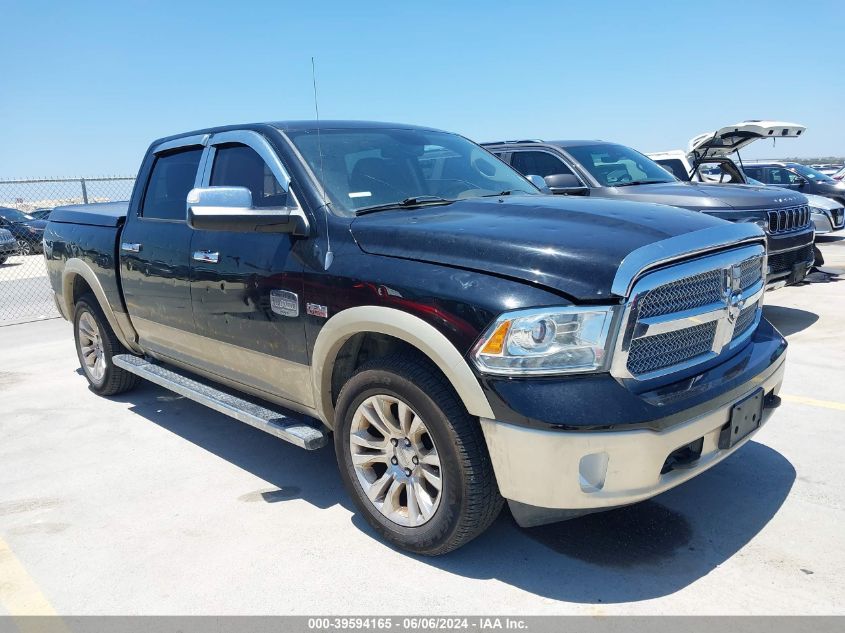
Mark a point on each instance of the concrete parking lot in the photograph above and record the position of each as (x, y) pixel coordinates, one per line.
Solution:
(151, 504)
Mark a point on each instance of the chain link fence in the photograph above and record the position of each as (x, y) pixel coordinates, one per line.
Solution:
(25, 207)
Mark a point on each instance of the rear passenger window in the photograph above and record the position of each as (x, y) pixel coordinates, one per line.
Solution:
(172, 178)
(538, 164)
(237, 165)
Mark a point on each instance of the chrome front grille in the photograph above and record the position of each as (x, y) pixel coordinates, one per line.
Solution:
(790, 219)
(746, 318)
(684, 294)
(651, 353)
(689, 313)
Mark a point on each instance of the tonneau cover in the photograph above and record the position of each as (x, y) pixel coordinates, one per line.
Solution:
(98, 214)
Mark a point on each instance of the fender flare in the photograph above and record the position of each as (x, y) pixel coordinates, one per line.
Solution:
(404, 326)
(119, 322)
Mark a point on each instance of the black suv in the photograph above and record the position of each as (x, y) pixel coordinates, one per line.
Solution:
(609, 170)
(797, 177)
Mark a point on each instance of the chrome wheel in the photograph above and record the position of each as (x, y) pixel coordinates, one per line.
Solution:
(395, 460)
(91, 347)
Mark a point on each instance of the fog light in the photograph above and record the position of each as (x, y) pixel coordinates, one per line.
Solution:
(592, 471)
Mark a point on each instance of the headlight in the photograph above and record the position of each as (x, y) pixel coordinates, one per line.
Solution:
(817, 210)
(546, 341)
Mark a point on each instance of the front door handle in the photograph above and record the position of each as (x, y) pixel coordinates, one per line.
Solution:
(208, 257)
(130, 247)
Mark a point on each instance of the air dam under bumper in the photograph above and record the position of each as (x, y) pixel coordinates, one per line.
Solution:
(550, 476)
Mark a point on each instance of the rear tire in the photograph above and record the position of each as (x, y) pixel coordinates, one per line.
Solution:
(429, 472)
(3, 260)
(96, 345)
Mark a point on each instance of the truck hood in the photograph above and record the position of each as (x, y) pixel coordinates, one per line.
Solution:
(733, 138)
(571, 245)
(705, 197)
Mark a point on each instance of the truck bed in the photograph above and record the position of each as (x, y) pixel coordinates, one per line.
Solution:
(99, 214)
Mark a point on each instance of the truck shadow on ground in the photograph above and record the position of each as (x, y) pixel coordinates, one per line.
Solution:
(644, 551)
(789, 321)
(295, 473)
(640, 552)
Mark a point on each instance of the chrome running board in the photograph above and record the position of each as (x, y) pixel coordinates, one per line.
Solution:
(303, 432)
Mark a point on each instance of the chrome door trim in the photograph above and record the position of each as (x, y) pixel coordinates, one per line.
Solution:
(262, 147)
(131, 247)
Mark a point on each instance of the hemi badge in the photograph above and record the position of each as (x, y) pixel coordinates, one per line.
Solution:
(284, 302)
(317, 310)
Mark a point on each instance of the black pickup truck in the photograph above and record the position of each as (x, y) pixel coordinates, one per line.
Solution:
(465, 338)
(608, 170)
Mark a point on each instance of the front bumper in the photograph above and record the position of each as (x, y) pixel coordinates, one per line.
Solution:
(549, 474)
(790, 257)
(8, 248)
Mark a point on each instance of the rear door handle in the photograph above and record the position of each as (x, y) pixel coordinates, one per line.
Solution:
(130, 247)
(208, 257)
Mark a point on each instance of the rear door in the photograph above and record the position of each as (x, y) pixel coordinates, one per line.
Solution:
(154, 247)
(733, 138)
(246, 288)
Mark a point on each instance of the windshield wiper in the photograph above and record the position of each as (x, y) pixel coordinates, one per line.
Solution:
(407, 203)
(639, 182)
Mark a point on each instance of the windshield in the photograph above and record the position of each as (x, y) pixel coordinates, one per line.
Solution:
(811, 174)
(363, 168)
(13, 215)
(616, 165)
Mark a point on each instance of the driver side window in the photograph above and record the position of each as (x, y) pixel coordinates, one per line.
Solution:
(781, 176)
(237, 165)
(538, 164)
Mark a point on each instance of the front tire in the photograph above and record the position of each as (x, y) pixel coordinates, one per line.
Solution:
(96, 344)
(411, 457)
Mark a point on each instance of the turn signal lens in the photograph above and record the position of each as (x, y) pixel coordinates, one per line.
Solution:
(496, 343)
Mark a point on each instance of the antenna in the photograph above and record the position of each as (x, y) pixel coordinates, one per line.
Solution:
(329, 255)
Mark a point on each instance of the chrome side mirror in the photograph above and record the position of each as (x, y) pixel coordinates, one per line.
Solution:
(231, 209)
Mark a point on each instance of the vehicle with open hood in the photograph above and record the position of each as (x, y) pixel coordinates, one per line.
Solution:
(460, 337)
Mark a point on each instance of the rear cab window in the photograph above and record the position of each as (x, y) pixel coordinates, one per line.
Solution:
(172, 177)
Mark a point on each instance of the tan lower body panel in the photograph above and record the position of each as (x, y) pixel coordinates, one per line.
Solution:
(282, 381)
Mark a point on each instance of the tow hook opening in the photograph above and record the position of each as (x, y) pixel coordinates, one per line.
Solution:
(683, 457)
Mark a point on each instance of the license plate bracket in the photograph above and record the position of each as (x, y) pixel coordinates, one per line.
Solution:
(746, 417)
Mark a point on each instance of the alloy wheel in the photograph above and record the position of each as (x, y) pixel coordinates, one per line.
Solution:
(395, 460)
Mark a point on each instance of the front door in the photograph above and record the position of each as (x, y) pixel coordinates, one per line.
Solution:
(246, 288)
(154, 258)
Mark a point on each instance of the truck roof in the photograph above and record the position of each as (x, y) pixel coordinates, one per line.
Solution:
(293, 126)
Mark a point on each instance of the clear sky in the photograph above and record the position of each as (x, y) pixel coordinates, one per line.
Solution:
(85, 86)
